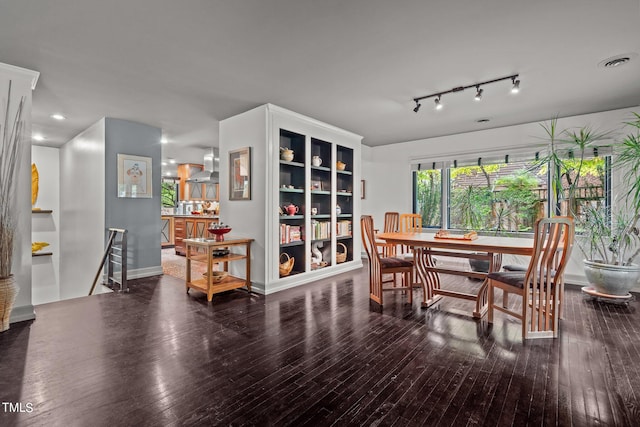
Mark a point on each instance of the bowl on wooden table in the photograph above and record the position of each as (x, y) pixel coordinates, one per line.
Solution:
(217, 276)
(219, 230)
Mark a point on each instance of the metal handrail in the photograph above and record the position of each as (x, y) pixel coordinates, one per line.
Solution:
(107, 253)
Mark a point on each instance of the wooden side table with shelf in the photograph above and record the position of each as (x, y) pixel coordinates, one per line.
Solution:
(194, 252)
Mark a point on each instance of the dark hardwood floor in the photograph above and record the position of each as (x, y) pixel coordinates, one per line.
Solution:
(317, 355)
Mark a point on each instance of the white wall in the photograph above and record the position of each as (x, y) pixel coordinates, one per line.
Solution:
(246, 217)
(82, 210)
(22, 83)
(388, 171)
(46, 227)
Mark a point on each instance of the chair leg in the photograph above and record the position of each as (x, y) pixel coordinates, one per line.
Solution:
(561, 302)
(525, 306)
(407, 278)
(505, 299)
(490, 314)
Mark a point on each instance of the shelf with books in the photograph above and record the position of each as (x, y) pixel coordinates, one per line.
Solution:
(298, 158)
(291, 217)
(292, 244)
(321, 216)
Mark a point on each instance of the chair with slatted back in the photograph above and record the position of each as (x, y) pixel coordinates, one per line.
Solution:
(409, 223)
(391, 224)
(519, 267)
(379, 265)
(540, 287)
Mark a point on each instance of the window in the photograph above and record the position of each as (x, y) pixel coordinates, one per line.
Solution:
(169, 192)
(508, 197)
(428, 197)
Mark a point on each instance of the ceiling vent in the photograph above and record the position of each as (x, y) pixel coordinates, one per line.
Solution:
(617, 61)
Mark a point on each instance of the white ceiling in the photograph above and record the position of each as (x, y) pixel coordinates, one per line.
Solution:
(357, 64)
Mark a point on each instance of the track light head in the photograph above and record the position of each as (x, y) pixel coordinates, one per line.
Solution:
(516, 85)
(479, 91)
(418, 105)
(438, 103)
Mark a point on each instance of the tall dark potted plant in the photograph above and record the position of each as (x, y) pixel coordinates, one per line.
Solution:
(11, 129)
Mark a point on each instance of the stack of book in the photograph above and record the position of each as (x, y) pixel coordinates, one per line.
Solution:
(290, 233)
(321, 229)
(343, 228)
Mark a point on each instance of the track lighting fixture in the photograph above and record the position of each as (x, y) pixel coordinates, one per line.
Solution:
(516, 85)
(438, 103)
(479, 91)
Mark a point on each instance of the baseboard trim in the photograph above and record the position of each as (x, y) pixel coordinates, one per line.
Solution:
(348, 266)
(22, 314)
(140, 273)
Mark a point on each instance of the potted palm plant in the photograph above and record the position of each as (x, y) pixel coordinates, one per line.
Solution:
(609, 240)
(11, 129)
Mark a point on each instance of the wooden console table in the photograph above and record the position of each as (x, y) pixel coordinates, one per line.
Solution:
(194, 252)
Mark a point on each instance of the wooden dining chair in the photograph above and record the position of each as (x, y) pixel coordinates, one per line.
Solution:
(379, 265)
(523, 268)
(540, 287)
(409, 223)
(391, 225)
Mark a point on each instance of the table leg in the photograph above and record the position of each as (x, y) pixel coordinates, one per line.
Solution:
(248, 266)
(188, 275)
(482, 301)
(428, 278)
(209, 252)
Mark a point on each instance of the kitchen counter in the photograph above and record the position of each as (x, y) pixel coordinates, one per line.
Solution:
(194, 216)
(189, 227)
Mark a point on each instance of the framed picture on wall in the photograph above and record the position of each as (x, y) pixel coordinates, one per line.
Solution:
(134, 176)
(240, 174)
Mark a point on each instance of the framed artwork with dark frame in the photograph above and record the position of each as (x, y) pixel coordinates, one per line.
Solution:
(134, 176)
(240, 174)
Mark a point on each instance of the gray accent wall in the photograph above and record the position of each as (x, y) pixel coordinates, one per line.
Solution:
(140, 216)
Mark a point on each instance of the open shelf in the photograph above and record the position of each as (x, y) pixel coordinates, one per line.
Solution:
(41, 211)
(35, 254)
(288, 217)
(292, 244)
(293, 164)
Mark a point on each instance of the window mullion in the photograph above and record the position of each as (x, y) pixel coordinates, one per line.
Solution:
(444, 205)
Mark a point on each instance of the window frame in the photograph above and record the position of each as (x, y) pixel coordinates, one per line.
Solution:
(552, 205)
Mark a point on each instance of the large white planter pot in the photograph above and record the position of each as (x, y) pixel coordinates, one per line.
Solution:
(612, 279)
(8, 293)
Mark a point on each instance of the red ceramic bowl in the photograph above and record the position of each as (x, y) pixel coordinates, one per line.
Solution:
(219, 232)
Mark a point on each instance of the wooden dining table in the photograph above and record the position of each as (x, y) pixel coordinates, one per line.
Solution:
(489, 248)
